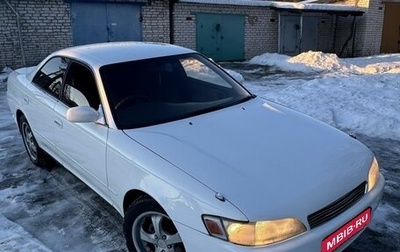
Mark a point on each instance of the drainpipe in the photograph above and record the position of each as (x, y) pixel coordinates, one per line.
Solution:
(171, 21)
(19, 32)
(354, 37)
(301, 33)
(279, 33)
(334, 25)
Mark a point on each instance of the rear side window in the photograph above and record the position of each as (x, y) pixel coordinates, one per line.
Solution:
(50, 76)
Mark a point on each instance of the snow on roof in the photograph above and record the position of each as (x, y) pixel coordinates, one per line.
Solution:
(317, 6)
(308, 5)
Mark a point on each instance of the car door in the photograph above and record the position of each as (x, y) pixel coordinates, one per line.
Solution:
(82, 146)
(41, 98)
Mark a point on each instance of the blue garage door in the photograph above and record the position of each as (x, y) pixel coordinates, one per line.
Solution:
(220, 36)
(290, 34)
(105, 22)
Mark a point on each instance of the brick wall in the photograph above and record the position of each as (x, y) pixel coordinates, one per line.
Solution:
(369, 28)
(261, 26)
(45, 27)
(155, 24)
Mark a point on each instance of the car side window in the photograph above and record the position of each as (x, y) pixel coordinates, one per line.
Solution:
(80, 87)
(50, 76)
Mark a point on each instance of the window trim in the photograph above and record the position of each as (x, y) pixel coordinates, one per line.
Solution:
(68, 75)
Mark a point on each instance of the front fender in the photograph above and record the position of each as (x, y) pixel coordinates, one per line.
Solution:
(131, 166)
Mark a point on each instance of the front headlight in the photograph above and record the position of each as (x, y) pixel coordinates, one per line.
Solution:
(253, 233)
(373, 175)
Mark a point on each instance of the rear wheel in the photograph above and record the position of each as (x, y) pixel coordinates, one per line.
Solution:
(148, 228)
(35, 153)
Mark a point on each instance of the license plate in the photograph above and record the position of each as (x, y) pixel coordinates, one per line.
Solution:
(343, 234)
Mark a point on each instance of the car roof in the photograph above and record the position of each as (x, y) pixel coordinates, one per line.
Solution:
(101, 54)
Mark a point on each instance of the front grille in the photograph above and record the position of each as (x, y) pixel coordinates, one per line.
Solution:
(337, 207)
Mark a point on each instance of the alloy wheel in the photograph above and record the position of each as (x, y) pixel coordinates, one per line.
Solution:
(155, 232)
(30, 141)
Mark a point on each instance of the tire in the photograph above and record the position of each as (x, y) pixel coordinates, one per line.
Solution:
(148, 228)
(35, 153)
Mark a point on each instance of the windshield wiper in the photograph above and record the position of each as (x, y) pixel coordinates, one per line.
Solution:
(220, 106)
(244, 99)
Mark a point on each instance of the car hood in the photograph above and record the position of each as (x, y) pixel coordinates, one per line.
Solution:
(267, 160)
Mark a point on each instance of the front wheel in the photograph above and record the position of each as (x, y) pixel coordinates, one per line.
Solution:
(148, 228)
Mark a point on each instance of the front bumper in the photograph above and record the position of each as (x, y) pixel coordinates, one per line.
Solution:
(309, 241)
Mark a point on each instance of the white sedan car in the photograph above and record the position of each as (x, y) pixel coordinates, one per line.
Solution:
(190, 158)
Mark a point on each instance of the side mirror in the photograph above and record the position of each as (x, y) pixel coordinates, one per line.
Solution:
(82, 114)
(237, 76)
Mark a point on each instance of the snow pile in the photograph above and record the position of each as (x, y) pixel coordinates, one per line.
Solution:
(305, 62)
(280, 61)
(390, 59)
(327, 62)
(380, 68)
(4, 74)
(320, 61)
(386, 63)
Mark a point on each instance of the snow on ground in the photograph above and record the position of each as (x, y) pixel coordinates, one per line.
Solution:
(13, 236)
(359, 95)
(53, 211)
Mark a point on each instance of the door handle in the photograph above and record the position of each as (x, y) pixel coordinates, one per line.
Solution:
(58, 123)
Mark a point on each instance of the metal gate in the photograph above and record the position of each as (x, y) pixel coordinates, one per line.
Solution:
(220, 37)
(391, 29)
(105, 22)
(298, 34)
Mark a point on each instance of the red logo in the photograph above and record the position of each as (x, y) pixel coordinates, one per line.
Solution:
(347, 231)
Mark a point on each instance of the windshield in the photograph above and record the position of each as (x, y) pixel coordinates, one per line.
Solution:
(153, 91)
